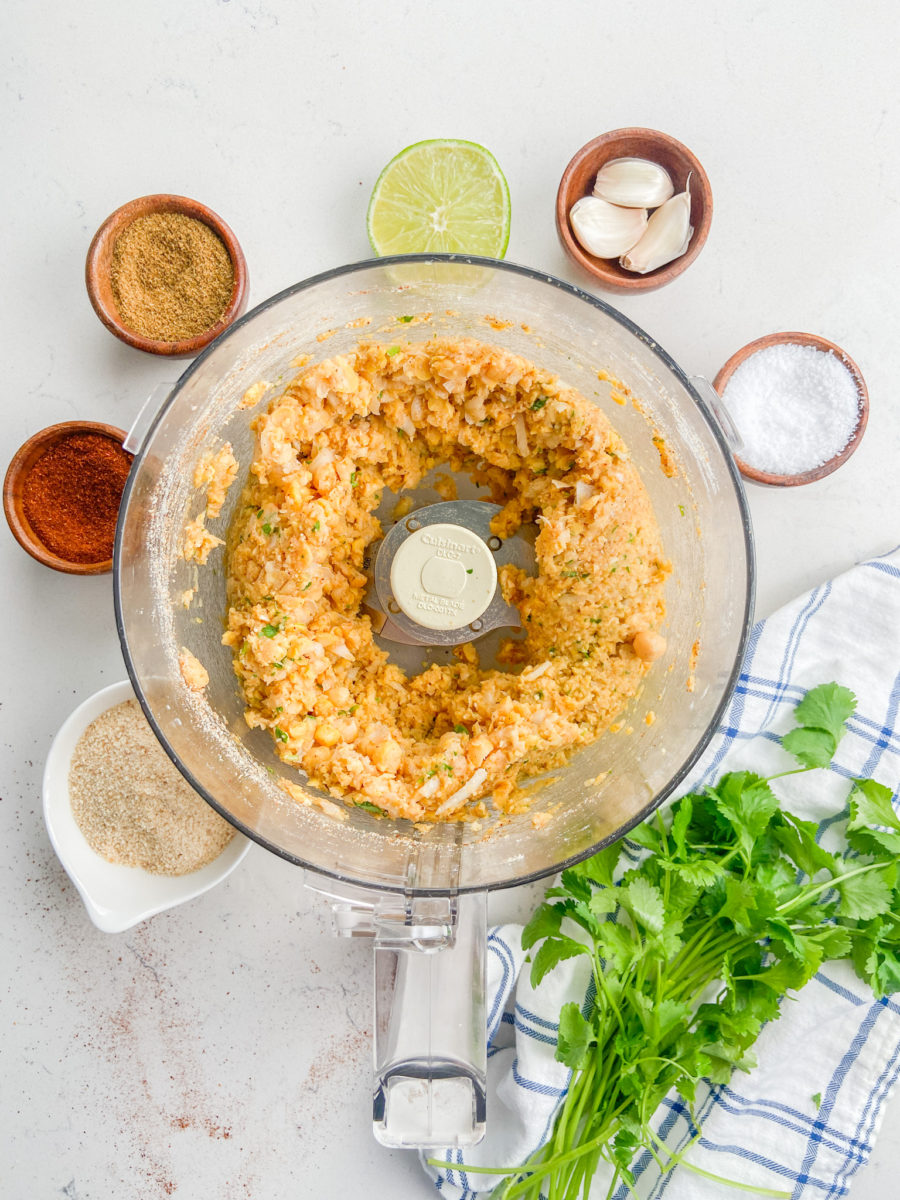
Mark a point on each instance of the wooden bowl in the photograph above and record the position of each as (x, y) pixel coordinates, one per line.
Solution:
(14, 493)
(99, 282)
(578, 180)
(819, 343)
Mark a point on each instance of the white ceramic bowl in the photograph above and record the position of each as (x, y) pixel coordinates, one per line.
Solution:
(116, 897)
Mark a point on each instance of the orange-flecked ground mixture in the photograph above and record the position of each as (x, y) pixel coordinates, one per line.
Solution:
(454, 741)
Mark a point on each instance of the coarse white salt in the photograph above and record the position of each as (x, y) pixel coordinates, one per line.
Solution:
(794, 406)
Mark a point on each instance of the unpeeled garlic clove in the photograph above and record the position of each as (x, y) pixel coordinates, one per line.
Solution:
(606, 230)
(667, 236)
(634, 182)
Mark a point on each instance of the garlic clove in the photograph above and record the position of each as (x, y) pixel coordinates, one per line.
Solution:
(606, 230)
(667, 236)
(634, 182)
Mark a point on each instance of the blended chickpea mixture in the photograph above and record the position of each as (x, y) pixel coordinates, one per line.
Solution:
(447, 743)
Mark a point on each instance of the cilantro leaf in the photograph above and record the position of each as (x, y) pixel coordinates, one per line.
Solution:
(810, 747)
(875, 842)
(667, 1016)
(741, 898)
(664, 945)
(804, 949)
(798, 839)
(886, 976)
(625, 1146)
(648, 837)
(603, 901)
(748, 804)
(699, 872)
(544, 922)
(644, 903)
(784, 974)
(870, 804)
(875, 956)
(576, 883)
(575, 1037)
(867, 895)
(681, 820)
(600, 867)
(835, 941)
(616, 945)
(827, 707)
(368, 806)
(552, 951)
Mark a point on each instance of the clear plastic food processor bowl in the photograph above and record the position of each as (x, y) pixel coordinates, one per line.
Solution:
(420, 893)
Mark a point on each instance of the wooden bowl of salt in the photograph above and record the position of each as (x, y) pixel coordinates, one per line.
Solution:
(800, 405)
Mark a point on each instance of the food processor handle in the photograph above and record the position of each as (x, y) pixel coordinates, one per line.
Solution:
(431, 1032)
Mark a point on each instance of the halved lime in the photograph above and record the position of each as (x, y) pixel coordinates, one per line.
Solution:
(441, 195)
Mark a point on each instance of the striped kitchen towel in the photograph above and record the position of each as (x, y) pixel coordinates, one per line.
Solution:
(833, 1042)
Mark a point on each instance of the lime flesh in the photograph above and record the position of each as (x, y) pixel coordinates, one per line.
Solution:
(442, 196)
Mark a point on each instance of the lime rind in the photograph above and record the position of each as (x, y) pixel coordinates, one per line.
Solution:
(441, 195)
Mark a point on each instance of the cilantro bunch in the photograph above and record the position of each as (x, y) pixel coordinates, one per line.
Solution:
(734, 905)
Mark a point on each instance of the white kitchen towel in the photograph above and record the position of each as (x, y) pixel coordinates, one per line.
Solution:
(833, 1041)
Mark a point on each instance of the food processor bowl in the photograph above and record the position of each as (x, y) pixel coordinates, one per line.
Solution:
(683, 457)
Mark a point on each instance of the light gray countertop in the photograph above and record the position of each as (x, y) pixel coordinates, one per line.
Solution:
(223, 1049)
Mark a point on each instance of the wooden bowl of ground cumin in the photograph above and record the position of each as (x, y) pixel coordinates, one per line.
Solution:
(166, 275)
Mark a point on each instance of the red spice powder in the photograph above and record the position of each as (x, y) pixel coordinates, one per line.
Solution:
(71, 496)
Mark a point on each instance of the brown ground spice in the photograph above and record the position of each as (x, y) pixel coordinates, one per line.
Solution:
(172, 276)
(132, 804)
(72, 494)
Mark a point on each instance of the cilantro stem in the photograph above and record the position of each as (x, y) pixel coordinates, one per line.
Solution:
(834, 881)
(600, 977)
(612, 1186)
(732, 1183)
(678, 1159)
(473, 1168)
(571, 1114)
(690, 951)
(537, 1170)
(729, 1183)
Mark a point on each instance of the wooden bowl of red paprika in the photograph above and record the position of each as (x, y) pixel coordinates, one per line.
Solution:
(62, 492)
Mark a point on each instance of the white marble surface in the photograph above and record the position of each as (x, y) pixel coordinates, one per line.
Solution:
(223, 1049)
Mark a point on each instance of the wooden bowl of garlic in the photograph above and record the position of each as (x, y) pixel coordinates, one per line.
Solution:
(633, 209)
